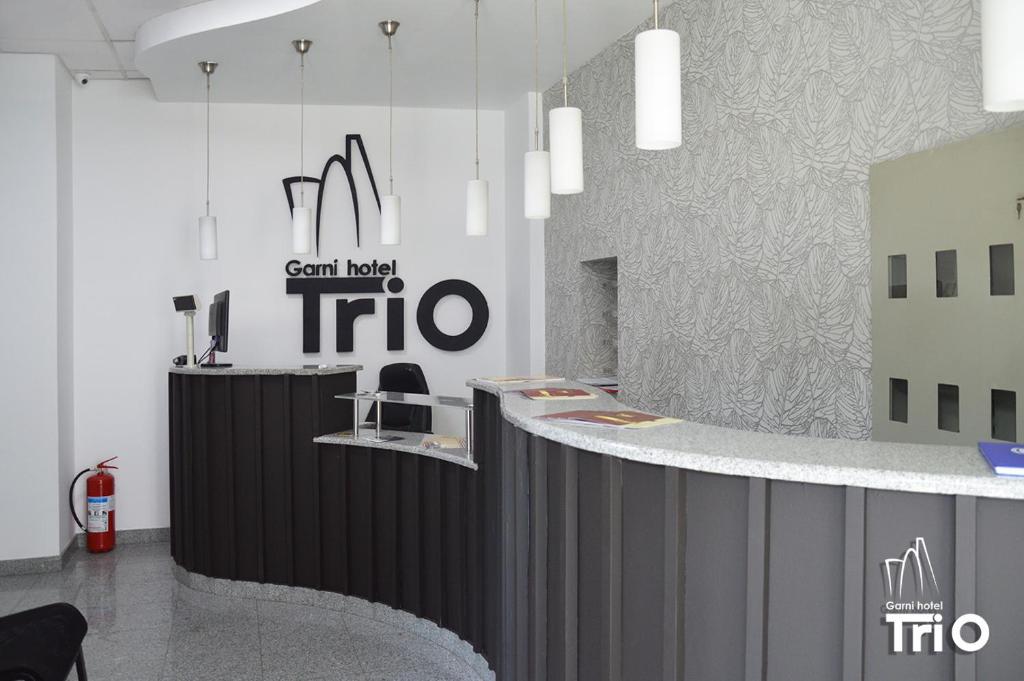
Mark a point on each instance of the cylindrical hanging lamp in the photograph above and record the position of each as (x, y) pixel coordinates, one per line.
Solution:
(537, 163)
(537, 185)
(390, 220)
(565, 124)
(477, 207)
(1002, 52)
(302, 217)
(477, 202)
(208, 223)
(390, 205)
(565, 130)
(659, 117)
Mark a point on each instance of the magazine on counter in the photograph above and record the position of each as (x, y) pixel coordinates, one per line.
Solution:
(557, 394)
(522, 379)
(623, 419)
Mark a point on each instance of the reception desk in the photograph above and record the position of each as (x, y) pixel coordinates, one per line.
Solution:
(563, 552)
(690, 551)
(244, 470)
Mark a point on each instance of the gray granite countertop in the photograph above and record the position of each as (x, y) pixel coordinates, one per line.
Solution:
(407, 442)
(261, 371)
(934, 469)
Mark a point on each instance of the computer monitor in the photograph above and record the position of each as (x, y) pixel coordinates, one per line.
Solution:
(218, 328)
(219, 321)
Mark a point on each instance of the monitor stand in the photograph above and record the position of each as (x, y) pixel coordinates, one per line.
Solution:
(212, 363)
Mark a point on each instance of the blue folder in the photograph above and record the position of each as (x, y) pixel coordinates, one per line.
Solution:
(1006, 458)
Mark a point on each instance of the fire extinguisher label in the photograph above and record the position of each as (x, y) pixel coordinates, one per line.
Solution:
(99, 508)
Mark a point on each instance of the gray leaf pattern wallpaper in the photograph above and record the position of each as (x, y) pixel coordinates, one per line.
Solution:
(743, 256)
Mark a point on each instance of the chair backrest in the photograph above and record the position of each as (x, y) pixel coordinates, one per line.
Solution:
(41, 643)
(403, 377)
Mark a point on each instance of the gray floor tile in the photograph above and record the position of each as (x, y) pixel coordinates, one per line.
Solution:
(17, 582)
(218, 638)
(44, 595)
(136, 654)
(8, 602)
(144, 626)
(299, 642)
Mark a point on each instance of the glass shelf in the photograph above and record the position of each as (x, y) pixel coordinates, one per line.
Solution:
(411, 399)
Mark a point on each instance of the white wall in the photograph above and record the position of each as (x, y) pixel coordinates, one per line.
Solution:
(524, 245)
(65, 304)
(139, 181)
(29, 262)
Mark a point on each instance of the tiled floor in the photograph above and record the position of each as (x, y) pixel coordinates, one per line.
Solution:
(144, 625)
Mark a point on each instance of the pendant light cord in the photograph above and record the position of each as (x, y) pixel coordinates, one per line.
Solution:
(207, 144)
(391, 118)
(565, 54)
(655, 15)
(302, 130)
(536, 75)
(476, 76)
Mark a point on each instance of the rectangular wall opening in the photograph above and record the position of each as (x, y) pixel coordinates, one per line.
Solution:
(899, 393)
(1000, 270)
(599, 318)
(897, 276)
(1004, 415)
(949, 407)
(945, 274)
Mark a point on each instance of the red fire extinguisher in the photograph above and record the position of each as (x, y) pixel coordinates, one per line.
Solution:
(99, 519)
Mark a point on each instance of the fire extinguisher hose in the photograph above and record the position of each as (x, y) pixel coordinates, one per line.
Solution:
(71, 499)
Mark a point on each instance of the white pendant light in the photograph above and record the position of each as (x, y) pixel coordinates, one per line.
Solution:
(1002, 51)
(477, 201)
(565, 131)
(477, 207)
(207, 223)
(537, 163)
(390, 220)
(302, 217)
(659, 116)
(390, 205)
(537, 185)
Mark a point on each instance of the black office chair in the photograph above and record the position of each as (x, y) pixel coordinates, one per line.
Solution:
(403, 378)
(42, 644)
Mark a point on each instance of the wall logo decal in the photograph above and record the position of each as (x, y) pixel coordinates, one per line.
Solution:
(922, 616)
(312, 280)
(346, 164)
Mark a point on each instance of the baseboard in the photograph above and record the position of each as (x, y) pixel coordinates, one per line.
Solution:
(152, 535)
(30, 566)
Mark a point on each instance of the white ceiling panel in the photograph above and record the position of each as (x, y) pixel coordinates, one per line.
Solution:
(117, 74)
(122, 18)
(77, 55)
(126, 52)
(48, 20)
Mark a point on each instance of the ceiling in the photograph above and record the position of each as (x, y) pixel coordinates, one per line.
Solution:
(250, 39)
(94, 36)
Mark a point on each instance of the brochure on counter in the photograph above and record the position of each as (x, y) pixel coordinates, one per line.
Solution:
(625, 419)
(557, 394)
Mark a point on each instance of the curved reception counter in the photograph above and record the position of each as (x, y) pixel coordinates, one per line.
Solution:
(567, 552)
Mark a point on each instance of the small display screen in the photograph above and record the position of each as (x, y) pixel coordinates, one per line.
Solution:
(185, 303)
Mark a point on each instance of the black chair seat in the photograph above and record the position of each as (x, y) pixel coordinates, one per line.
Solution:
(403, 377)
(42, 644)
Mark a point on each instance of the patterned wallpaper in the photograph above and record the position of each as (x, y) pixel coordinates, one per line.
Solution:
(743, 256)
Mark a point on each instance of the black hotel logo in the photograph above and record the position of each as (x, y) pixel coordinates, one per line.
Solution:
(346, 165)
(312, 280)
